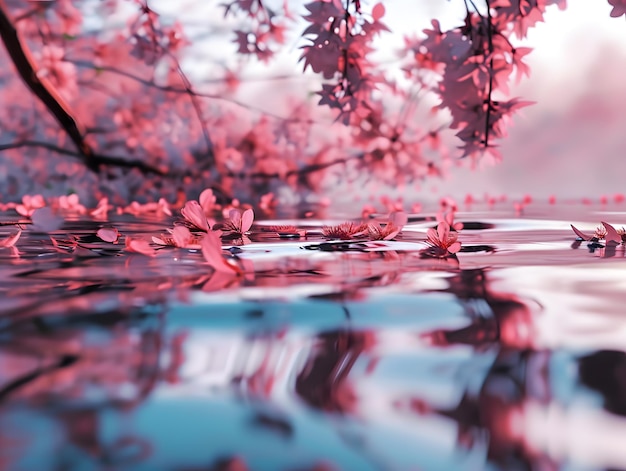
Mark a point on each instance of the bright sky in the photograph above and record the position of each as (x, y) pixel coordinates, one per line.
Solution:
(572, 141)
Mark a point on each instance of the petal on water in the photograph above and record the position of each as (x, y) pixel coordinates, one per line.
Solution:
(443, 229)
(212, 251)
(11, 240)
(108, 234)
(181, 236)
(193, 213)
(454, 248)
(611, 234)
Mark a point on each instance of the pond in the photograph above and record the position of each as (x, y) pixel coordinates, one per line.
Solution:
(323, 355)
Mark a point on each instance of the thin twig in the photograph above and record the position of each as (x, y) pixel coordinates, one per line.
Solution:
(96, 159)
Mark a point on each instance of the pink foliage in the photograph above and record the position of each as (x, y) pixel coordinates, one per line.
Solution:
(619, 8)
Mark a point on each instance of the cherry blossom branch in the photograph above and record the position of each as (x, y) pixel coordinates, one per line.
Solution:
(42, 88)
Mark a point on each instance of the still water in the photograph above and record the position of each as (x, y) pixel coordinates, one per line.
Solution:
(351, 356)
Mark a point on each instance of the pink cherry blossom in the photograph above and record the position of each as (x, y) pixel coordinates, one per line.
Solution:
(193, 213)
(29, 205)
(179, 236)
(345, 230)
(442, 240)
(448, 217)
(61, 74)
(239, 222)
(390, 230)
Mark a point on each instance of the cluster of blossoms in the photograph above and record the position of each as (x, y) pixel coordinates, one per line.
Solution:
(203, 226)
(368, 230)
(604, 231)
(443, 239)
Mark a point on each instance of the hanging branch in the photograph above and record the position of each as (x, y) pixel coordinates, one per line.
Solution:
(41, 87)
(491, 72)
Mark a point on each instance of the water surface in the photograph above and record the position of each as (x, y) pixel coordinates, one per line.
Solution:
(362, 356)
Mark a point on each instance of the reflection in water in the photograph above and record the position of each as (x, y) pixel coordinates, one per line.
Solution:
(365, 359)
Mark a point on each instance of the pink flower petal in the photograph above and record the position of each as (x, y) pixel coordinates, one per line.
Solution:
(378, 11)
(246, 220)
(182, 236)
(392, 234)
(399, 219)
(611, 234)
(235, 217)
(580, 234)
(193, 213)
(212, 251)
(11, 240)
(108, 234)
(443, 229)
(158, 241)
(431, 234)
(207, 200)
(139, 246)
(454, 248)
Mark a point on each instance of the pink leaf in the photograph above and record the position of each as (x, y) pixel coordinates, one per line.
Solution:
(108, 234)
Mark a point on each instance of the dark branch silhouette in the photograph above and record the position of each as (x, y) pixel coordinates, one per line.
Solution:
(42, 88)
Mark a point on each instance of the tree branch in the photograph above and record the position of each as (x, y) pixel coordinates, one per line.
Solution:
(97, 159)
(42, 88)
